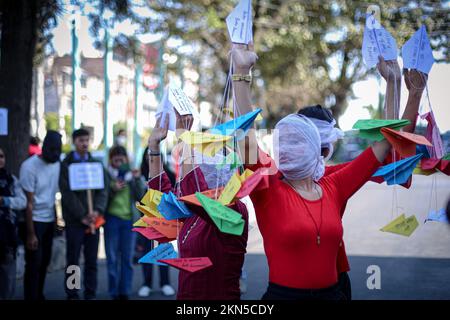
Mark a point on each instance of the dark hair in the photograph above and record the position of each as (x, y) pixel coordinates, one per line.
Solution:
(117, 151)
(317, 112)
(79, 133)
(120, 131)
(34, 141)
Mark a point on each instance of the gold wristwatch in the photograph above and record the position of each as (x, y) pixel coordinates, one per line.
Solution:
(242, 77)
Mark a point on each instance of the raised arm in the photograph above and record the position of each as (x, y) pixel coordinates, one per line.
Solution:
(416, 82)
(243, 58)
(390, 71)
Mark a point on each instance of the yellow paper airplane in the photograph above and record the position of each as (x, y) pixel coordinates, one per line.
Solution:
(148, 211)
(195, 138)
(230, 190)
(402, 225)
(247, 173)
(140, 223)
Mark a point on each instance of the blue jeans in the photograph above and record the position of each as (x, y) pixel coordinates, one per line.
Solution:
(119, 246)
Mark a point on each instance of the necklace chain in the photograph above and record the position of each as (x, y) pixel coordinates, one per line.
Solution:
(189, 230)
(309, 212)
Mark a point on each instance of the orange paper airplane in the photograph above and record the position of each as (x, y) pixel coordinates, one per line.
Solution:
(404, 142)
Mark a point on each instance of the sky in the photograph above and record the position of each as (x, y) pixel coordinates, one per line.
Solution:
(366, 92)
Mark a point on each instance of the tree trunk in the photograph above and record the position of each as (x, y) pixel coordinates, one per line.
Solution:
(18, 42)
(339, 106)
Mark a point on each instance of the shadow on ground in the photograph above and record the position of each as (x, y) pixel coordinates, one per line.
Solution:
(401, 278)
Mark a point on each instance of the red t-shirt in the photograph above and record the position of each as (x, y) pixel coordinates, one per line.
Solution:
(226, 251)
(289, 234)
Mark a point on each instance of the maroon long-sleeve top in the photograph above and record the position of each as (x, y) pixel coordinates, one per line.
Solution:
(199, 237)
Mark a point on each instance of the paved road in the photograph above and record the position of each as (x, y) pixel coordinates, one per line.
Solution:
(417, 267)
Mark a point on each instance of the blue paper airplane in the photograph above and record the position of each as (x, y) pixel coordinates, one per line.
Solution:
(240, 125)
(398, 172)
(438, 215)
(377, 41)
(417, 52)
(163, 251)
(172, 209)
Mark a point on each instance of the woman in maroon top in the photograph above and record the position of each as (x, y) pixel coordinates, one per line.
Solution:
(199, 237)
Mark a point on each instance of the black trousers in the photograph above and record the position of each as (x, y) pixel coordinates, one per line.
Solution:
(37, 261)
(147, 268)
(277, 292)
(345, 285)
(76, 239)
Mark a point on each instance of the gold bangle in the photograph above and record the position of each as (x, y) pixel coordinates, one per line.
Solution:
(242, 77)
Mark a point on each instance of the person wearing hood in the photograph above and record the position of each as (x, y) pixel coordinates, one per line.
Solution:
(299, 214)
(39, 176)
(329, 134)
(11, 198)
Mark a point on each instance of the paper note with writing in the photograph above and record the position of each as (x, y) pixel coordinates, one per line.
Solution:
(438, 216)
(377, 41)
(172, 209)
(417, 52)
(238, 126)
(404, 142)
(152, 234)
(189, 264)
(402, 225)
(169, 229)
(180, 101)
(165, 109)
(3, 122)
(434, 136)
(212, 194)
(226, 219)
(245, 175)
(163, 251)
(240, 24)
(398, 172)
(231, 188)
(86, 176)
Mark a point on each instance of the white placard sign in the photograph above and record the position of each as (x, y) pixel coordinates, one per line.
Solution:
(240, 24)
(3, 122)
(86, 176)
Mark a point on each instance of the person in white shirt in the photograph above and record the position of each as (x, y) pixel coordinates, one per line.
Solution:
(39, 176)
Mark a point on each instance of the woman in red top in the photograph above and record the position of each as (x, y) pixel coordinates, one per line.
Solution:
(199, 236)
(299, 215)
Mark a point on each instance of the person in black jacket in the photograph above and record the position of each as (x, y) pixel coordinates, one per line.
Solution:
(78, 219)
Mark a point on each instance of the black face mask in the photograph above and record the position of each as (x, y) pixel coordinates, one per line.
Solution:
(51, 147)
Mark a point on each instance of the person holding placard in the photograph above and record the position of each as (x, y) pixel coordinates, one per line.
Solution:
(11, 198)
(125, 188)
(299, 215)
(39, 178)
(78, 219)
(199, 236)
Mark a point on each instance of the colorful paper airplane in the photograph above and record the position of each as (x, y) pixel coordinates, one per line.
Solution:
(370, 128)
(231, 189)
(162, 251)
(152, 234)
(398, 172)
(169, 229)
(172, 209)
(237, 127)
(212, 194)
(404, 142)
(417, 52)
(189, 264)
(226, 219)
(402, 225)
(438, 216)
(434, 136)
